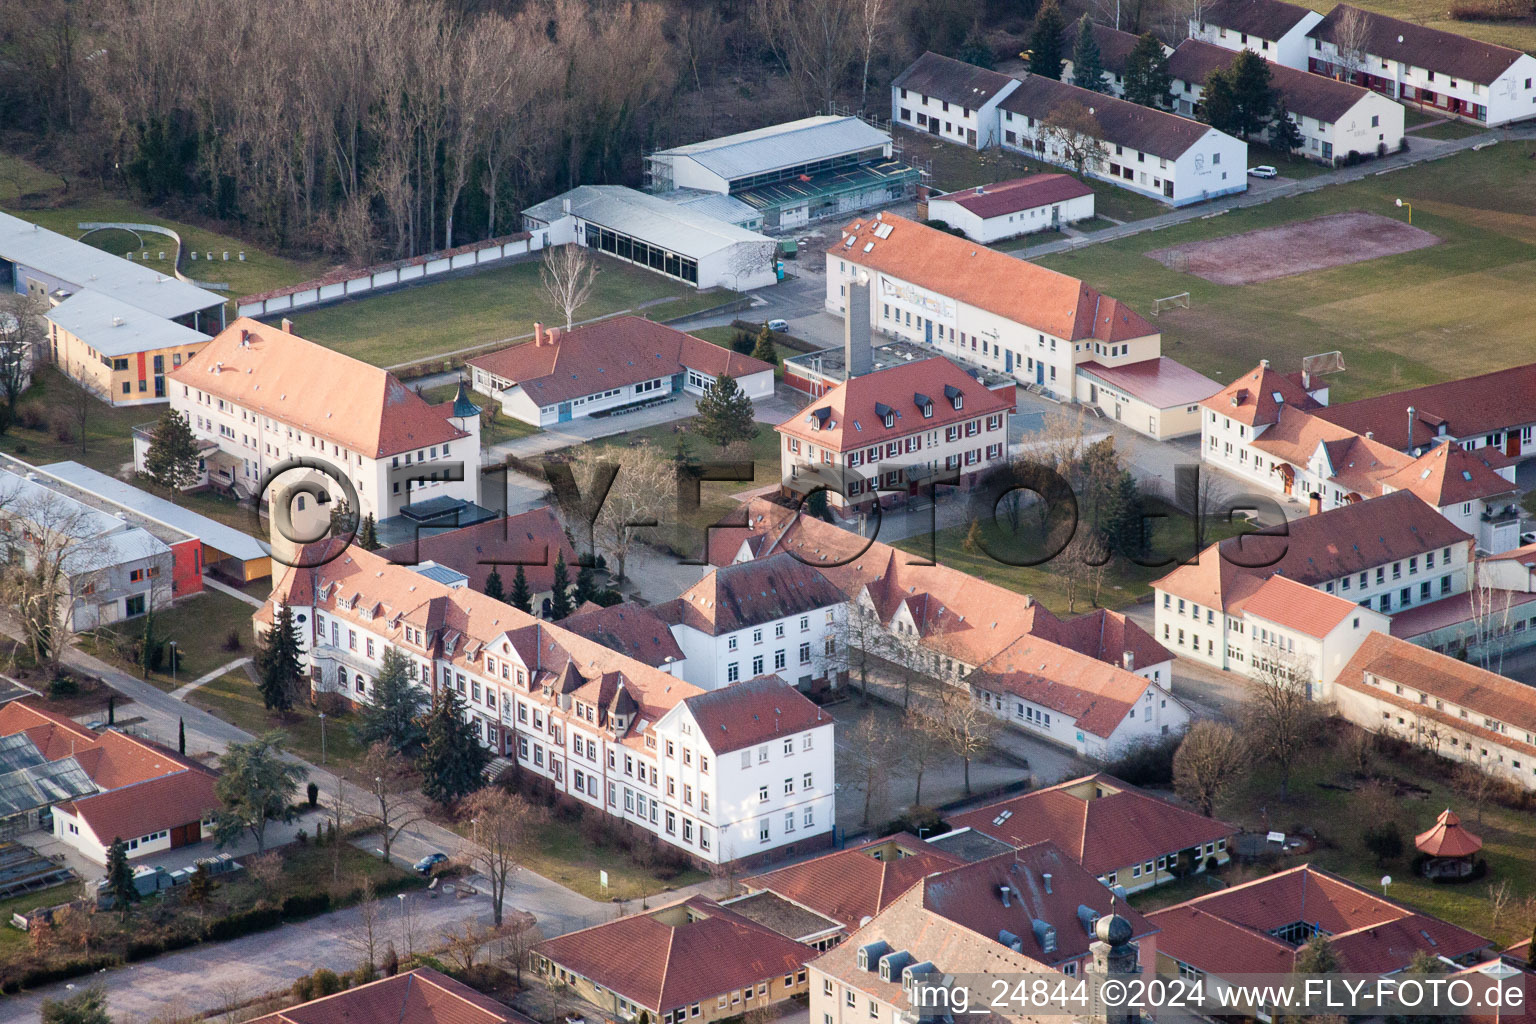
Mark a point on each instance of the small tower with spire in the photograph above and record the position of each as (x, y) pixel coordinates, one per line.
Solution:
(1116, 957)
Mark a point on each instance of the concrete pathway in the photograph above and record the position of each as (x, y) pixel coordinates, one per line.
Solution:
(224, 588)
(1259, 193)
(181, 692)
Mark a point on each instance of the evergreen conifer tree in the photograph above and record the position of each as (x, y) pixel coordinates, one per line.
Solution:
(725, 413)
(1087, 59)
(278, 660)
(394, 716)
(1045, 43)
(171, 461)
(1147, 78)
(560, 602)
(368, 534)
(452, 758)
(521, 597)
(120, 877)
(493, 586)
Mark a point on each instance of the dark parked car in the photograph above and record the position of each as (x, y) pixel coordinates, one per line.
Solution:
(430, 861)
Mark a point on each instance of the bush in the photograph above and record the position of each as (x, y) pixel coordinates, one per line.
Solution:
(63, 430)
(63, 686)
(1149, 763)
(365, 973)
(232, 640)
(1490, 10)
(326, 982)
(244, 922)
(32, 416)
(312, 794)
(306, 904)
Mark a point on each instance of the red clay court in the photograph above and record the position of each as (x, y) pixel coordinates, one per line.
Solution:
(1317, 244)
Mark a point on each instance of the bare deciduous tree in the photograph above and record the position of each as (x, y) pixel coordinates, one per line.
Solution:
(866, 759)
(968, 725)
(366, 938)
(859, 640)
(519, 934)
(926, 744)
(1211, 759)
(22, 330)
(1073, 135)
(568, 274)
(1351, 35)
(1473, 784)
(390, 809)
(502, 823)
(640, 499)
(816, 42)
(1278, 713)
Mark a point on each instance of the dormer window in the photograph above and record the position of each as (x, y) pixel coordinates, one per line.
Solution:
(925, 404)
(890, 419)
(956, 398)
(886, 413)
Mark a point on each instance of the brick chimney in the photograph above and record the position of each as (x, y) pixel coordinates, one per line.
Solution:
(1314, 503)
(551, 335)
(538, 335)
(287, 326)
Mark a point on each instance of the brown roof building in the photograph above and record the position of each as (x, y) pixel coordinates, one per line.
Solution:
(420, 996)
(533, 540)
(603, 366)
(1448, 53)
(695, 959)
(1118, 833)
(1490, 410)
(1122, 123)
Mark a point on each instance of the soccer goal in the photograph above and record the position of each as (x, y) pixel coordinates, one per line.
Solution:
(1180, 300)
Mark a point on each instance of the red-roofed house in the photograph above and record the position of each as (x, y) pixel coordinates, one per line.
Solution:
(744, 772)
(1038, 326)
(108, 785)
(564, 375)
(258, 395)
(421, 996)
(1118, 833)
(892, 429)
(1258, 928)
(692, 960)
(1459, 711)
(1006, 209)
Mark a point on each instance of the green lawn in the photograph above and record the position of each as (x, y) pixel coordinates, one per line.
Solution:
(1124, 582)
(430, 320)
(1519, 34)
(14, 940)
(20, 177)
(503, 428)
(108, 430)
(1290, 165)
(1394, 318)
(235, 699)
(561, 853)
(259, 271)
(1448, 130)
(957, 167)
(200, 625)
(1041, 237)
(1509, 837)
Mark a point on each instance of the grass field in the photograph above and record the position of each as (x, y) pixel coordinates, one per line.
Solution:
(427, 320)
(235, 699)
(1124, 582)
(561, 853)
(1394, 318)
(1519, 34)
(1338, 813)
(199, 624)
(957, 167)
(503, 429)
(260, 271)
(108, 431)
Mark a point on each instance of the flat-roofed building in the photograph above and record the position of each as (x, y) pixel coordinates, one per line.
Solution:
(121, 352)
(792, 173)
(671, 239)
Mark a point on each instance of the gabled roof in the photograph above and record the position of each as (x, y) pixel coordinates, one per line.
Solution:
(1004, 197)
(1305, 94)
(1469, 407)
(1121, 122)
(746, 594)
(1161, 382)
(1305, 609)
(1267, 19)
(1114, 45)
(535, 539)
(955, 81)
(1228, 932)
(758, 710)
(420, 996)
(987, 279)
(680, 954)
(316, 389)
(1100, 822)
(1420, 670)
(1255, 398)
(852, 415)
(609, 354)
(1449, 53)
(138, 809)
(1095, 695)
(631, 629)
(857, 883)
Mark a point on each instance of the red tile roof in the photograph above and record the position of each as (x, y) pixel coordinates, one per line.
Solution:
(1446, 838)
(535, 538)
(1448, 475)
(1004, 197)
(685, 953)
(745, 594)
(630, 629)
(1470, 407)
(1459, 608)
(987, 279)
(421, 996)
(138, 809)
(317, 389)
(971, 895)
(1370, 934)
(853, 417)
(1294, 606)
(1452, 680)
(1124, 826)
(1252, 398)
(609, 354)
(1162, 383)
(751, 712)
(855, 884)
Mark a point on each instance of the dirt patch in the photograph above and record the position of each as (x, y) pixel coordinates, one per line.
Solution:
(1317, 244)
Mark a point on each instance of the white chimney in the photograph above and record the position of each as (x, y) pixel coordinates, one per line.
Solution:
(538, 334)
(1128, 659)
(1046, 878)
(1264, 363)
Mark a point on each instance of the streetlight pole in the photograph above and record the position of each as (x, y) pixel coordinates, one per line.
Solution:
(322, 737)
(1409, 207)
(172, 646)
